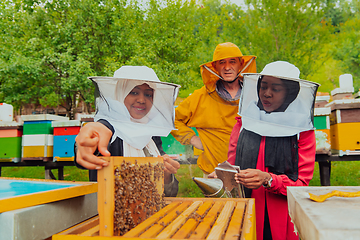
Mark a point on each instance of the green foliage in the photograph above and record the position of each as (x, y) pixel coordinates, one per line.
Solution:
(49, 48)
(282, 30)
(347, 47)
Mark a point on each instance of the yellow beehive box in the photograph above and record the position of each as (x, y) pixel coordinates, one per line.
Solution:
(180, 218)
(345, 138)
(345, 126)
(184, 218)
(37, 146)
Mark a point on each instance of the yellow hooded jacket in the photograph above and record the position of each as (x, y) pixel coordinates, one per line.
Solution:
(212, 116)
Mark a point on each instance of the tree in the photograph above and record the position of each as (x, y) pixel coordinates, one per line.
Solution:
(57, 44)
(292, 31)
(347, 47)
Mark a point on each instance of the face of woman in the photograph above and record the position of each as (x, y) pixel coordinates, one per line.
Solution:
(272, 93)
(139, 101)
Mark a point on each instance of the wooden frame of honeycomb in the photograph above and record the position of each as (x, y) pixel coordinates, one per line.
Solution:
(130, 189)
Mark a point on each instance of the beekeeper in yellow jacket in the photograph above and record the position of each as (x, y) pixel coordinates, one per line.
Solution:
(213, 108)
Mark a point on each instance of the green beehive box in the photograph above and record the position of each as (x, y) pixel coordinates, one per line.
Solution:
(171, 146)
(38, 127)
(10, 149)
(320, 122)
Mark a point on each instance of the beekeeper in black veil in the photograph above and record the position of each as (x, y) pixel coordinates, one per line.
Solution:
(273, 143)
(132, 108)
(277, 106)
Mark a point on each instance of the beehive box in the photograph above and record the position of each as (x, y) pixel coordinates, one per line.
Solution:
(37, 146)
(38, 208)
(180, 218)
(322, 130)
(65, 133)
(335, 218)
(10, 141)
(37, 140)
(345, 126)
(184, 218)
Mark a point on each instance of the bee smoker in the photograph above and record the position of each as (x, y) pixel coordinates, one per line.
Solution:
(211, 187)
(222, 186)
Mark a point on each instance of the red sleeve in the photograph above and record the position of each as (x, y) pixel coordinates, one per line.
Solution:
(306, 151)
(233, 141)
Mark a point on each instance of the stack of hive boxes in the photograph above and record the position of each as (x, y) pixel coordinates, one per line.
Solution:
(64, 139)
(345, 119)
(10, 141)
(322, 124)
(37, 139)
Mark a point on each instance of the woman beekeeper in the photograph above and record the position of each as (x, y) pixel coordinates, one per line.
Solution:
(132, 108)
(274, 143)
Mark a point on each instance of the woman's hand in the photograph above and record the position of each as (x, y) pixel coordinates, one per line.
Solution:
(170, 167)
(212, 175)
(196, 142)
(92, 136)
(252, 178)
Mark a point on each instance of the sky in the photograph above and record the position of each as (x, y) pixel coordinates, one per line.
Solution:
(238, 2)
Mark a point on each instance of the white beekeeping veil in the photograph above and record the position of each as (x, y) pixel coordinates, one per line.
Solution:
(112, 91)
(296, 113)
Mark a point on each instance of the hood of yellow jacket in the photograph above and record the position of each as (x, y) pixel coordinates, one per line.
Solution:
(222, 51)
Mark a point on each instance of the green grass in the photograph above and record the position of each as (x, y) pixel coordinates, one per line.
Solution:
(71, 173)
(342, 174)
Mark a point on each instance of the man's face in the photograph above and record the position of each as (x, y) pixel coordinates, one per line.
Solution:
(228, 68)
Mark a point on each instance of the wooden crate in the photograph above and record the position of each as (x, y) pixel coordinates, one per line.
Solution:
(184, 218)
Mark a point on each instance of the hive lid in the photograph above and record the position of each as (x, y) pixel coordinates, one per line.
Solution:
(41, 117)
(69, 123)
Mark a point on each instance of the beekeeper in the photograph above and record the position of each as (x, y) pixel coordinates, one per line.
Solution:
(132, 108)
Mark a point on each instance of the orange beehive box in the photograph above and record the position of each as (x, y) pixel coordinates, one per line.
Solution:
(180, 218)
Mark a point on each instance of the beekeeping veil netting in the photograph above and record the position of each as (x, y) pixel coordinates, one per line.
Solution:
(111, 92)
(294, 115)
